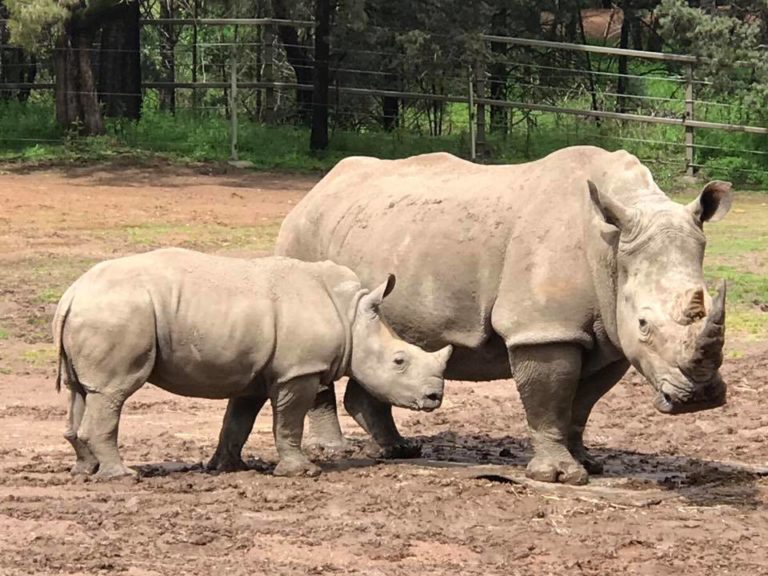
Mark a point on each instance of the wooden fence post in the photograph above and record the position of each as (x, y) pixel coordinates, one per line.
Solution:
(690, 169)
(233, 102)
(471, 108)
(480, 112)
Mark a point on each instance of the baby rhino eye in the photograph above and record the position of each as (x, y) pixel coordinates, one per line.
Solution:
(399, 359)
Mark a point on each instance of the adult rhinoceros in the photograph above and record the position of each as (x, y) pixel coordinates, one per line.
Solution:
(560, 272)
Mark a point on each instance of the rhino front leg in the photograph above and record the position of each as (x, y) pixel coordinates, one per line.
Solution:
(86, 462)
(290, 403)
(237, 426)
(324, 428)
(547, 377)
(590, 390)
(375, 417)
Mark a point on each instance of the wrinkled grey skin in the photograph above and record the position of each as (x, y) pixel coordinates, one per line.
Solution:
(560, 272)
(215, 327)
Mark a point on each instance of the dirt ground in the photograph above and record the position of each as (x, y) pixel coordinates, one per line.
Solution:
(682, 495)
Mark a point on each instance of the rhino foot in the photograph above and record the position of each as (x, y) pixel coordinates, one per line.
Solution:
(115, 471)
(296, 468)
(335, 451)
(84, 468)
(590, 463)
(403, 449)
(546, 469)
(226, 464)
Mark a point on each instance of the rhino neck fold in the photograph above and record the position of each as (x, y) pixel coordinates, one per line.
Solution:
(340, 367)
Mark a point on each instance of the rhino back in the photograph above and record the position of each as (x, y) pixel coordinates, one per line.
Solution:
(479, 251)
(220, 323)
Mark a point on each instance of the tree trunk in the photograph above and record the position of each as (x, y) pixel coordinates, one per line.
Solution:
(168, 39)
(319, 136)
(498, 71)
(390, 112)
(120, 62)
(299, 60)
(76, 103)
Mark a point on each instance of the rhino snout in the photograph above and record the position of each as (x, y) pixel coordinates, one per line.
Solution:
(670, 399)
(430, 401)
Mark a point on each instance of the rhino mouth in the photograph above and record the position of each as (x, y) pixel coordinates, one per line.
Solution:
(429, 402)
(712, 396)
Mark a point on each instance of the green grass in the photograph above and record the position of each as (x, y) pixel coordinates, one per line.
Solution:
(29, 134)
(40, 356)
(4, 335)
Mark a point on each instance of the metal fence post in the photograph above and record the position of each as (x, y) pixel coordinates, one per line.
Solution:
(233, 103)
(689, 130)
(471, 107)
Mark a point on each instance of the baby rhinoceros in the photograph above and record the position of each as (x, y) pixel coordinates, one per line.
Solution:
(216, 327)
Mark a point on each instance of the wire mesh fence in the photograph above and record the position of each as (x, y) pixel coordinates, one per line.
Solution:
(524, 98)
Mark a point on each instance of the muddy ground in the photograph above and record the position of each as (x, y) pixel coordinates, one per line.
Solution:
(682, 495)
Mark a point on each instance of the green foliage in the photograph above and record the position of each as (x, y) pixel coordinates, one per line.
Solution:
(31, 20)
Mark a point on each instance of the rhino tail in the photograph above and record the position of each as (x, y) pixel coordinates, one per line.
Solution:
(64, 372)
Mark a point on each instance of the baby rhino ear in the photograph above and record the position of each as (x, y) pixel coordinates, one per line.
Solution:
(713, 203)
(370, 303)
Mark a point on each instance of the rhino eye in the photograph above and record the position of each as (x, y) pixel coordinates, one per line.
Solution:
(399, 360)
(645, 328)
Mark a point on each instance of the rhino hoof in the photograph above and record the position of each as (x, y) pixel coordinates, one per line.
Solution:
(83, 468)
(114, 472)
(591, 465)
(403, 449)
(296, 468)
(546, 470)
(217, 464)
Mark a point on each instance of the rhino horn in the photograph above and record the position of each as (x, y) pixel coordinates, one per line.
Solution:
(708, 351)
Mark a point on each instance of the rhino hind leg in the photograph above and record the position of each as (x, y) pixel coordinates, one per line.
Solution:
(86, 462)
(237, 426)
(547, 377)
(590, 390)
(290, 403)
(98, 430)
(375, 417)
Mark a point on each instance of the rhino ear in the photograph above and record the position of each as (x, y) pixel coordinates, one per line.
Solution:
(713, 203)
(370, 302)
(613, 211)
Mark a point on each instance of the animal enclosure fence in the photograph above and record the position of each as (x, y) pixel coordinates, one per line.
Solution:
(655, 104)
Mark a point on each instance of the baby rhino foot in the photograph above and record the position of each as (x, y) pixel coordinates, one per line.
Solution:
(545, 469)
(226, 463)
(296, 468)
(84, 468)
(402, 449)
(115, 471)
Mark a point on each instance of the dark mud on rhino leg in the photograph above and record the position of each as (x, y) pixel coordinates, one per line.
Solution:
(237, 426)
(375, 417)
(589, 392)
(547, 377)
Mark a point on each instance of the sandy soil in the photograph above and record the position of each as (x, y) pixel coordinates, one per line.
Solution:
(682, 495)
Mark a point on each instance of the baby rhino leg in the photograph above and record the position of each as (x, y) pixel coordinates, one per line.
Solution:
(290, 403)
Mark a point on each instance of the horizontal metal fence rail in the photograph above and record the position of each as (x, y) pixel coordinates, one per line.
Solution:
(680, 111)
